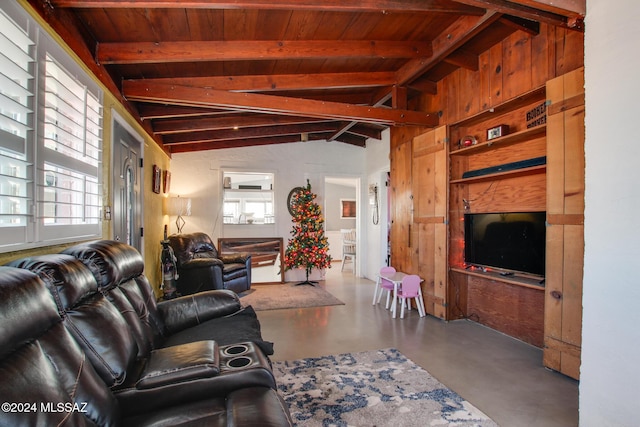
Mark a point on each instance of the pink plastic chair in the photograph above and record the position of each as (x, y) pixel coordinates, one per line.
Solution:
(383, 285)
(411, 289)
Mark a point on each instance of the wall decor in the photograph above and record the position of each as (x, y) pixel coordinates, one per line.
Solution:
(166, 183)
(467, 141)
(347, 208)
(291, 200)
(157, 172)
(537, 116)
(497, 132)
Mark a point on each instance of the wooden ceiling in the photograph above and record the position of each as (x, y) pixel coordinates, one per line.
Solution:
(209, 74)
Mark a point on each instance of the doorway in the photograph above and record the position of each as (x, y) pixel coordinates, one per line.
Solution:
(127, 198)
(342, 211)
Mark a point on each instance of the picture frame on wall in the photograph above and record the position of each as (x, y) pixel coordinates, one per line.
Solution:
(157, 174)
(166, 183)
(347, 208)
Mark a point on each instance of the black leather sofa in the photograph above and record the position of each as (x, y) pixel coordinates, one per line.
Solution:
(201, 268)
(82, 330)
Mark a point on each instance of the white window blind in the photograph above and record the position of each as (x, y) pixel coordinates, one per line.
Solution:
(16, 125)
(50, 139)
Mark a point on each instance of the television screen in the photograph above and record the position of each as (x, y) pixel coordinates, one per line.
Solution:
(513, 241)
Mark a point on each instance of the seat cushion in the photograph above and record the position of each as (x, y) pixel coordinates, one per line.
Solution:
(240, 326)
(233, 271)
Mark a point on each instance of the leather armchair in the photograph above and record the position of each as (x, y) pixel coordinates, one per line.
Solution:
(201, 268)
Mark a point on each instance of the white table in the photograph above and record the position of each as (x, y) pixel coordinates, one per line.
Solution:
(396, 279)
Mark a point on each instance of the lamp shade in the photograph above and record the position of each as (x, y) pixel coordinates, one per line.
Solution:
(178, 206)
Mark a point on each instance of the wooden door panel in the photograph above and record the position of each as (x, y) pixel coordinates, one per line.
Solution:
(565, 217)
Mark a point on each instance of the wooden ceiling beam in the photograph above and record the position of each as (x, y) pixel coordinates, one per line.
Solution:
(156, 111)
(273, 82)
(522, 24)
(447, 42)
(366, 131)
(164, 127)
(538, 10)
(464, 59)
(189, 96)
(185, 148)
(570, 8)
(239, 50)
(246, 133)
(347, 138)
(379, 6)
(425, 86)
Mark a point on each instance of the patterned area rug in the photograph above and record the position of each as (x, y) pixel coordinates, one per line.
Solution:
(286, 295)
(374, 388)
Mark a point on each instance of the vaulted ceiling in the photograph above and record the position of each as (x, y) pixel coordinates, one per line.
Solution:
(209, 74)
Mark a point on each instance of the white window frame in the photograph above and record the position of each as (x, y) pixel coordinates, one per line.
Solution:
(239, 197)
(60, 164)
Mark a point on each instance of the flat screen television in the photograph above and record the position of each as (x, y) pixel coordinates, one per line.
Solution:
(509, 241)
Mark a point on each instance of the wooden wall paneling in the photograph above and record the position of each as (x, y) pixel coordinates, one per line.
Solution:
(516, 64)
(441, 246)
(401, 253)
(496, 80)
(484, 88)
(541, 58)
(469, 84)
(514, 310)
(450, 96)
(521, 194)
(569, 50)
(457, 295)
(502, 155)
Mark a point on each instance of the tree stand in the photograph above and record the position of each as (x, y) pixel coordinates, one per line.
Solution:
(307, 281)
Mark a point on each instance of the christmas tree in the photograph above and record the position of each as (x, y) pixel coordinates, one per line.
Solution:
(308, 247)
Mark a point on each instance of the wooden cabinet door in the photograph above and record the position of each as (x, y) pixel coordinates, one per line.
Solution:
(401, 206)
(565, 219)
(430, 206)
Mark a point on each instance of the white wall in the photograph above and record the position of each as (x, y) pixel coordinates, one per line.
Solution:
(198, 175)
(377, 165)
(610, 373)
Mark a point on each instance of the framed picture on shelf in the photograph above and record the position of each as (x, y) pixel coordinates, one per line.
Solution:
(347, 208)
(497, 132)
(157, 179)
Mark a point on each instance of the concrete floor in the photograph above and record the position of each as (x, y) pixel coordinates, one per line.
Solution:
(501, 376)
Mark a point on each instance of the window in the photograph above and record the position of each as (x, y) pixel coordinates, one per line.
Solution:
(248, 198)
(50, 139)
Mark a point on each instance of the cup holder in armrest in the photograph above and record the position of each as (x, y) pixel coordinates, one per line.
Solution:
(235, 350)
(239, 362)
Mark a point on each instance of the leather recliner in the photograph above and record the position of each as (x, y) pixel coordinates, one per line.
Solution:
(196, 359)
(202, 268)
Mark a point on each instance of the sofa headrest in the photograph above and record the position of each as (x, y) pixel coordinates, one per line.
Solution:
(111, 262)
(67, 278)
(27, 309)
(192, 245)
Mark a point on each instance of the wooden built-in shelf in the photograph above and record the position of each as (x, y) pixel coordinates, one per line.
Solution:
(533, 170)
(517, 280)
(503, 141)
(537, 94)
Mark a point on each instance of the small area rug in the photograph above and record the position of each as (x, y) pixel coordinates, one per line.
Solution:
(373, 388)
(286, 295)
